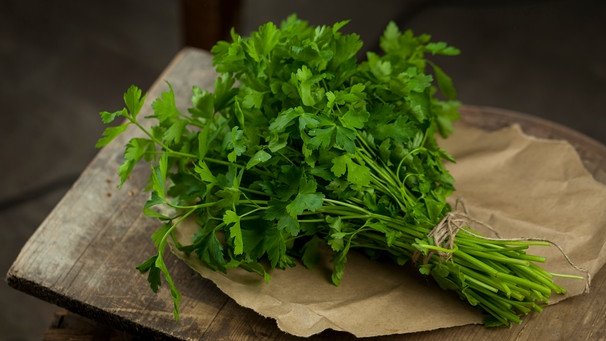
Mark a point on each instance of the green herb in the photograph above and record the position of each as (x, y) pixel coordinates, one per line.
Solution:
(301, 147)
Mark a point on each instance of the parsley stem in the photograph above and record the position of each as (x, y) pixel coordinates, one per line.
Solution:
(477, 263)
(493, 256)
(253, 191)
(237, 165)
(525, 282)
(311, 220)
(345, 204)
(388, 182)
(566, 276)
(223, 162)
(192, 207)
(171, 152)
(481, 284)
(146, 132)
(435, 248)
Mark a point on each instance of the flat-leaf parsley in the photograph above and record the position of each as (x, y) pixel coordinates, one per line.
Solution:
(301, 147)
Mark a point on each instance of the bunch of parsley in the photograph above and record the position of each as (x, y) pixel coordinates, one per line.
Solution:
(301, 147)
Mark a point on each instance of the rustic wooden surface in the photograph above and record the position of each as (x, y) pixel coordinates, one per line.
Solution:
(83, 255)
(69, 326)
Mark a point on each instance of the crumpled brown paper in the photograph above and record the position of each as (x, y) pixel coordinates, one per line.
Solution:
(520, 185)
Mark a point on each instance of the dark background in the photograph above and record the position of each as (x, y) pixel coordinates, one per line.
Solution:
(62, 62)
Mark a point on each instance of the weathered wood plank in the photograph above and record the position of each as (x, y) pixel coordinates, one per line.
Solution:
(69, 326)
(83, 255)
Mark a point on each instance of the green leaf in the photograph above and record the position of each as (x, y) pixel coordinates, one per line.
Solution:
(307, 199)
(284, 119)
(308, 121)
(252, 99)
(358, 174)
(289, 224)
(203, 102)
(224, 92)
(345, 138)
(210, 250)
(136, 149)
(159, 234)
(204, 172)
(149, 212)
(425, 269)
(447, 113)
(391, 236)
(153, 201)
(442, 48)
(322, 138)
(275, 209)
(239, 113)
(109, 117)
(275, 247)
(173, 289)
(235, 142)
(111, 133)
(377, 226)
(389, 39)
(418, 81)
(447, 284)
(133, 100)
(174, 132)
(355, 119)
(160, 239)
(164, 107)
(444, 82)
(305, 202)
(259, 157)
(340, 164)
(139, 148)
(309, 90)
(159, 175)
(401, 131)
(265, 39)
(335, 239)
(307, 184)
(154, 273)
(232, 219)
(311, 252)
(203, 141)
(338, 261)
(277, 142)
(380, 68)
(420, 106)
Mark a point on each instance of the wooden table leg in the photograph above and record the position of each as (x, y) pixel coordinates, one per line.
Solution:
(204, 22)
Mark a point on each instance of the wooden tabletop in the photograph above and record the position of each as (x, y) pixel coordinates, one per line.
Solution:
(83, 256)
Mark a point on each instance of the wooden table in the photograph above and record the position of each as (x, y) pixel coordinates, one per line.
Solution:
(84, 254)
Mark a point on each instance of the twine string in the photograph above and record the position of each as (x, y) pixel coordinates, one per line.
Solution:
(443, 235)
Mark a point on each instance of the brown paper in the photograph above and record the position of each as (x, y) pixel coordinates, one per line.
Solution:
(520, 185)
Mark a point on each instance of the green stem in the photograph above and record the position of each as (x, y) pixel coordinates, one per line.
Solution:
(566, 276)
(477, 263)
(495, 257)
(526, 283)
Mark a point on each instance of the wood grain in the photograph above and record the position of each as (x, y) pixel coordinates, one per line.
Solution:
(84, 254)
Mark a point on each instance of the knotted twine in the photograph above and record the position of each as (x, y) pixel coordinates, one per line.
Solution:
(455, 221)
